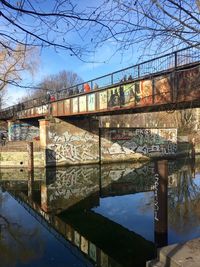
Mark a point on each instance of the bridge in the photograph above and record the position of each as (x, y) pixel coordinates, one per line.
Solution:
(166, 82)
(68, 128)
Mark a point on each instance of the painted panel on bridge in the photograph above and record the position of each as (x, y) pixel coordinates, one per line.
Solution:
(113, 97)
(123, 144)
(60, 107)
(75, 105)
(67, 106)
(54, 108)
(144, 93)
(162, 89)
(91, 102)
(103, 100)
(82, 104)
(188, 84)
(128, 95)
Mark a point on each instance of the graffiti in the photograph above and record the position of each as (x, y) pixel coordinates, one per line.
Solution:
(91, 102)
(69, 148)
(103, 100)
(73, 184)
(118, 143)
(23, 131)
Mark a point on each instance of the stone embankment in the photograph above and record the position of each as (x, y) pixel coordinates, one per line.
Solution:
(178, 255)
(15, 154)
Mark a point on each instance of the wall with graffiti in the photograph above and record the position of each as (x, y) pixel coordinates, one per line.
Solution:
(23, 132)
(67, 186)
(130, 143)
(68, 144)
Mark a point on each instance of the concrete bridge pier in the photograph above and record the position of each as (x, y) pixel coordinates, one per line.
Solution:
(70, 142)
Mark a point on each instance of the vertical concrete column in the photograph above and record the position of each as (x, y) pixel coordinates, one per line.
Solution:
(160, 203)
(10, 123)
(44, 129)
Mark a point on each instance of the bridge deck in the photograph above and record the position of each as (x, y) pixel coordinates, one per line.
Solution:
(168, 82)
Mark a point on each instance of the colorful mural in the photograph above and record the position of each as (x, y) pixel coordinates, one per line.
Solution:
(114, 97)
(162, 89)
(146, 92)
(188, 84)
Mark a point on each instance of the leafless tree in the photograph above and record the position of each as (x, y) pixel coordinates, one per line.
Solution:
(82, 27)
(54, 83)
(3, 97)
(13, 64)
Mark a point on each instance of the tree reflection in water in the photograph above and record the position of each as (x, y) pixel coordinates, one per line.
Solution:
(18, 243)
(184, 202)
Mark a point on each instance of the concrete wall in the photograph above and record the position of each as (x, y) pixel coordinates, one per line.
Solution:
(161, 119)
(137, 144)
(20, 159)
(69, 144)
(77, 142)
(23, 131)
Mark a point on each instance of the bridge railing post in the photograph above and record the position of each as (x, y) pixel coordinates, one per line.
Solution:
(175, 60)
(138, 71)
(175, 89)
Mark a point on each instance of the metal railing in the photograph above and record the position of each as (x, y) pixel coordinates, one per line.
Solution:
(167, 62)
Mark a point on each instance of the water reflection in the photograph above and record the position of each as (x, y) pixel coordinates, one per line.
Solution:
(113, 215)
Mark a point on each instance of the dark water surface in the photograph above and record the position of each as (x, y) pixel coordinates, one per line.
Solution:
(110, 216)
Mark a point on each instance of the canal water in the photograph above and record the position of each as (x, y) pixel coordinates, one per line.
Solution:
(113, 215)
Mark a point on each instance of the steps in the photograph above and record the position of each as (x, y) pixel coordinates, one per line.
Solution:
(178, 255)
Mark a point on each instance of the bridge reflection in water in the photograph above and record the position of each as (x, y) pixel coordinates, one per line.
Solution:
(113, 215)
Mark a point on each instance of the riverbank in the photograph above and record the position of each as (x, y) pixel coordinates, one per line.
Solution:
(178, 255)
